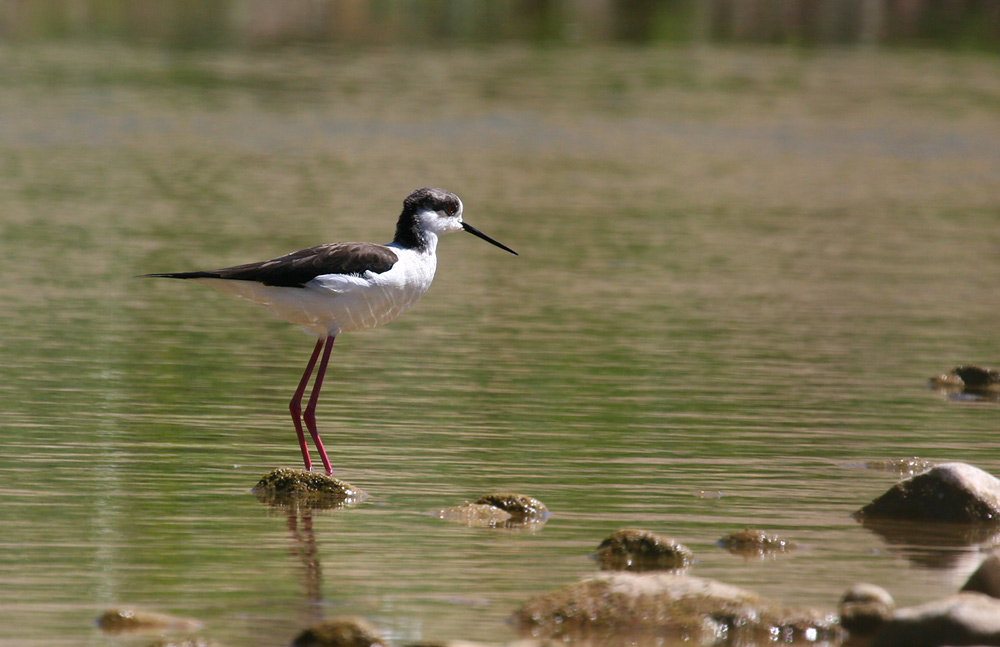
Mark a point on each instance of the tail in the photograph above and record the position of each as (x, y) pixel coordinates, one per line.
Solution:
(181, 275)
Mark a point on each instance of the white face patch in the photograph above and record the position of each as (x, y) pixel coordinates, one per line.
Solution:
(440, 222)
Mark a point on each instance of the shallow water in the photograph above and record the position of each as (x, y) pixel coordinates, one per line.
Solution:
(738, 270)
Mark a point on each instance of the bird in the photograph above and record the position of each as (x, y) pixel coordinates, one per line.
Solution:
(338, 288)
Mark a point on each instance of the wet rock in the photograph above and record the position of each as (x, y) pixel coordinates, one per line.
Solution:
(969, 382)
(657, 608)
(185, 642)
(755, 543)
(286, 486)
(901, 466)
(947, 492)
(641, 550)
(986, 578)
(963, 619)
(864, 608)
(946, 382)
(128, 620)
(504, 510)
(340, 632)
(475, 515)
(522, 508)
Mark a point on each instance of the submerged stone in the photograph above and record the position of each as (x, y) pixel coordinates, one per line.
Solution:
(475, 515)
(340, 632)
(754, 542)
(522, 508)
(657, 608)
(640, 550)
(284, 486)
(128, 620)
(185, 642)
(954, 492)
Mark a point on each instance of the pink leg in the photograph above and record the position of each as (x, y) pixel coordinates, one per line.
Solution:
(310, 414)
(295, 406)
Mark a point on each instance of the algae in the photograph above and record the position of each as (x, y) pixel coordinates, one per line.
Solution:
(286, 486)
(522, 508)
(755, 542)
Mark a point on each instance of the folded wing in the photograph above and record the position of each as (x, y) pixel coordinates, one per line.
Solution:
(298, 268)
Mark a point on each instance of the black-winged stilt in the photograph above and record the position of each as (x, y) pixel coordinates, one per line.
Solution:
(342, 287)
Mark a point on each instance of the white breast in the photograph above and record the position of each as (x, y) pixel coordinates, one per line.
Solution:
(331, 304)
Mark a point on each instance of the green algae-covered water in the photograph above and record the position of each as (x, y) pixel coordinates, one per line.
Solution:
(738, 269)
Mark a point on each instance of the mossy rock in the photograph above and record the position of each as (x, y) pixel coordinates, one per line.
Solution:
(522, 508)
(285, 486)
(129, 620)
(969, 382)
(977, 377)
(340, 632)
(640, 550)
(754, 542)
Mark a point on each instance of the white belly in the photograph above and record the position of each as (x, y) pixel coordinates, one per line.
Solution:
(332, 304)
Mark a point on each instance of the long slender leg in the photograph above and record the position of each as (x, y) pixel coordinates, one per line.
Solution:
(295, 406)
(310, 414)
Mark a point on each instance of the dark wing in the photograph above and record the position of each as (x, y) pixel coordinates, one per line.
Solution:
(298, 268)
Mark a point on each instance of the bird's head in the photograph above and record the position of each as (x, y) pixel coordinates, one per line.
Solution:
(437, 212)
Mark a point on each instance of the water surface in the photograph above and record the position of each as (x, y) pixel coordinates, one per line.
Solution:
(737, 271)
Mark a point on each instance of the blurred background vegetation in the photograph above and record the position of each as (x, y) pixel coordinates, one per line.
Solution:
(951, 24)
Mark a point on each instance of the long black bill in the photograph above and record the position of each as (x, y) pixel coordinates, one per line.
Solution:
(475, 232)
